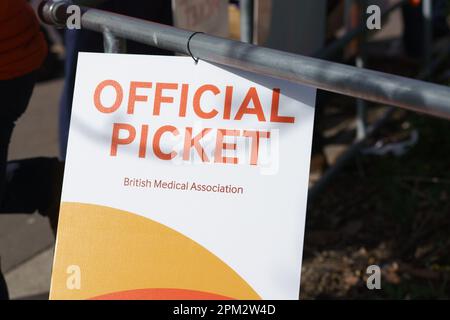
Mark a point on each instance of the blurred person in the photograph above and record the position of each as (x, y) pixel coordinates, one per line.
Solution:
(414, 25)
(344, 16)
(53, 65)
(25, 185)
(89, 41)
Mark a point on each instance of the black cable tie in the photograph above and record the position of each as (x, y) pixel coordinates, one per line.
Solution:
(189, 48)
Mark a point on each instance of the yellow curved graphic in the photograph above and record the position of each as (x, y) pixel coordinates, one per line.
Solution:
(117, 251)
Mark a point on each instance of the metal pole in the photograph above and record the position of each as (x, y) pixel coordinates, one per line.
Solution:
(361, 107)
(353, 150)
(427, 9)
(370, 85)
(246, 24)
(359, 61)
(113, 44)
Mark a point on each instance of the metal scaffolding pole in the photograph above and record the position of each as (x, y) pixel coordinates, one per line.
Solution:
(361, 106)
(427, 12)
(246, 24)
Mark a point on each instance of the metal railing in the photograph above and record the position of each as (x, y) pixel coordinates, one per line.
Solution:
(360, 83)
(357, 82)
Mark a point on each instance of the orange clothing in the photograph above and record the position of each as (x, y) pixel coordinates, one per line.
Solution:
(22, 44)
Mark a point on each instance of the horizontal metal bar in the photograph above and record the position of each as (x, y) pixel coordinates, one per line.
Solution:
(365, 84)
(246, 21)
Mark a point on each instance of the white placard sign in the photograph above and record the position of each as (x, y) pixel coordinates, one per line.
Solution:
(182, 181)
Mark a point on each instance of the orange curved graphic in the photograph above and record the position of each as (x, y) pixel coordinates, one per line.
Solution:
(161, 294)
(122, 255)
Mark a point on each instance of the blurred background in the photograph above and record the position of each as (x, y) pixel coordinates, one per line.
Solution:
(388, 204)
